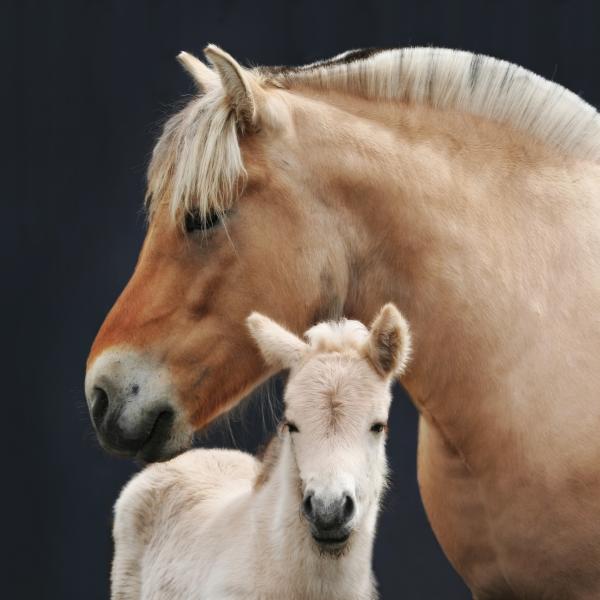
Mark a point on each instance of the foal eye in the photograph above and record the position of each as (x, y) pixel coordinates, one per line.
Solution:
(378, 427)
(291, 427)
(194, 221)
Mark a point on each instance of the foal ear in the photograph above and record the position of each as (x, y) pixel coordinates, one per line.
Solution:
(389, 343)
(279, 347)
(238, 83)
(204, 78)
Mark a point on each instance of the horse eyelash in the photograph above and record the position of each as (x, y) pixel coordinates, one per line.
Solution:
(195, 222)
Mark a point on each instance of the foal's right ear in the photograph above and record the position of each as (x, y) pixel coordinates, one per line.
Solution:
(389, 343)
(280, 348)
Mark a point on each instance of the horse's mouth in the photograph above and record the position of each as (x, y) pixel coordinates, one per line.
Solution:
(153, 449)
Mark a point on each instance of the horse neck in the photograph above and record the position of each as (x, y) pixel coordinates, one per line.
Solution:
(284, 548)
(459, 221)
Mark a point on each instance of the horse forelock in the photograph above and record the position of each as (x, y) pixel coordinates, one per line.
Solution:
(196, 165)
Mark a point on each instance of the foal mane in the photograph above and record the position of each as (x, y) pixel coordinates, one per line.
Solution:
(268, 456)
(197, 164)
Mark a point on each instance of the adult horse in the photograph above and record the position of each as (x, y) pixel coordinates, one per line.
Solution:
(463, 188)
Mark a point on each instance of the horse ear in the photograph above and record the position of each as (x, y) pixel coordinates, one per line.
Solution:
(389, 343)
(279, 347)
(238, 83)
(203, 77)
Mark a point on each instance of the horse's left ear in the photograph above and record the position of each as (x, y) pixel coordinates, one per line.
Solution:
(280, 348)
(389, 343)
(204, 78)
(239, 84)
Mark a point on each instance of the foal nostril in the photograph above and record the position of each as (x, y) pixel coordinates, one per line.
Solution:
(327, 515)
(99, 405)
(348, 510)
(307, 506)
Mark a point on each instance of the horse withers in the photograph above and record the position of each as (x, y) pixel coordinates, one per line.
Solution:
(300, 524)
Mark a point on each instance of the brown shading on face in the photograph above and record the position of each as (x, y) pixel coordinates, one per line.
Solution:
(186, 303)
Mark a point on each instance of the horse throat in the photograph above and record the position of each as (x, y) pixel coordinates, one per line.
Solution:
(459, 222)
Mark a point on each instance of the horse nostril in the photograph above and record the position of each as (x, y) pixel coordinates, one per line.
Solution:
(99, 405)
(348, 508)
(307, 506)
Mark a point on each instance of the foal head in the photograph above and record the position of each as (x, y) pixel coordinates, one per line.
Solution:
(336, 410)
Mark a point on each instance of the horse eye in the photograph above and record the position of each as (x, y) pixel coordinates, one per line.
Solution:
(291, 427)
(378, 427)
(194, 221)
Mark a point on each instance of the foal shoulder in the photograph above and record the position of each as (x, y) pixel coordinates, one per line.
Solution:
(171, 489)
(205, 473)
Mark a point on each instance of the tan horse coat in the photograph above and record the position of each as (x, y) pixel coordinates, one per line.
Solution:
(483, 229)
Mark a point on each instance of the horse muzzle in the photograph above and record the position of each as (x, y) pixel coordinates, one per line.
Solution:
(129, 399)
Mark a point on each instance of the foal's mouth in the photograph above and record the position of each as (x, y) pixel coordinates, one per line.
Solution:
(330, 541)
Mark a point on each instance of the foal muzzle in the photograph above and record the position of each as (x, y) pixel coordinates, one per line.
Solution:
(329, 518)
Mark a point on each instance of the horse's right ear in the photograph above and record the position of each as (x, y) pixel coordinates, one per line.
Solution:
(280, 348)
(239, 84)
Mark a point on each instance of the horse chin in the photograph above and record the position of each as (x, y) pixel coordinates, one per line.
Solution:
(161, 445)
(164, 442)
(149, 454)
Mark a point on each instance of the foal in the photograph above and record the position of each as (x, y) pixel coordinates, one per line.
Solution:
(219, 524)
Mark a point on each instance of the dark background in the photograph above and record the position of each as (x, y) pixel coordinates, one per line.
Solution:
(85, 87)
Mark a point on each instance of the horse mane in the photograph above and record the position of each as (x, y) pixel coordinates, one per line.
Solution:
(462, 81)
(197, 162)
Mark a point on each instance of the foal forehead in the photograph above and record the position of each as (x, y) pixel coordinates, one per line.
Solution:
(334, 384)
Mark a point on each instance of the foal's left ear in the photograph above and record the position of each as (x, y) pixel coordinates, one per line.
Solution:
(280, 348)
(239, 84)
(389, 343)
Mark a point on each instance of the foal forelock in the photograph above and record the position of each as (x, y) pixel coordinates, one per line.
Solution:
(197, 163)
(337, 336)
